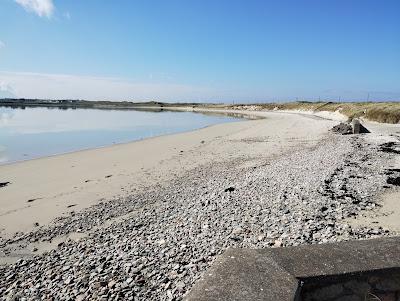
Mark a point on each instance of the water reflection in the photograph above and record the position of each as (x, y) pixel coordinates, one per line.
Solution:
(27, 133)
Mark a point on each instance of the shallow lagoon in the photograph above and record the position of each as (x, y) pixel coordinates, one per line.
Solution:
(28, 133)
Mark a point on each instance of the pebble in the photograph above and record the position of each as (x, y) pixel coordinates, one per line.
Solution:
(173, 233)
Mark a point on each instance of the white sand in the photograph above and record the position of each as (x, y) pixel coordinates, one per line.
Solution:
(337, 116)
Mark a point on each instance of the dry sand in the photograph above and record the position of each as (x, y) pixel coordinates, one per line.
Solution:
(388, 215)
(41, 190)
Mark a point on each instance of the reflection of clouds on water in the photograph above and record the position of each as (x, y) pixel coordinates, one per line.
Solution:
(43, 120)
(3, 155)
(5, 116)
(36, 132)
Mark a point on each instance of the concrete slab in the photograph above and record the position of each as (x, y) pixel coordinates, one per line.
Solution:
(244, 274)
(275, 274)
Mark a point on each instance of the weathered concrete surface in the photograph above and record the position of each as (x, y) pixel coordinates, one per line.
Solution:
(358, 128)
(339, 258)
(275, 274)
(243, 274)
(355, 123)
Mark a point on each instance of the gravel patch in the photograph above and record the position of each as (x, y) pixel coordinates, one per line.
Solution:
(169, 235)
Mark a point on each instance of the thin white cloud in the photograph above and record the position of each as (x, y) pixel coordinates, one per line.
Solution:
(43, 8)
(4, 86)
(61, 86)
(6, 90)
(2, 45)
(58, 86)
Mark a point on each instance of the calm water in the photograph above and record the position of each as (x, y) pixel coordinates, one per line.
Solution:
(38, 132)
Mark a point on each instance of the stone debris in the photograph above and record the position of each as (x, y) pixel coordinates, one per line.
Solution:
(4, 184)
(390, 147)
(343, 129)
(394, 181)
(355, 127)
(171, 234)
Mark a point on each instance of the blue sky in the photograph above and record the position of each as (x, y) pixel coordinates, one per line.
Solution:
(242, 51)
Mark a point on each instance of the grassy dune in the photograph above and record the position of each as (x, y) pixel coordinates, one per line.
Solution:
(388, 112)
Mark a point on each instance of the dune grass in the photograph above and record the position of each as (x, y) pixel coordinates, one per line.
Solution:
(388, 112)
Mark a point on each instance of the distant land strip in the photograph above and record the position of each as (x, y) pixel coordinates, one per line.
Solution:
(387, 112)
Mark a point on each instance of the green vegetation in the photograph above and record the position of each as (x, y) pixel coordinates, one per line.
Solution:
(388, 112)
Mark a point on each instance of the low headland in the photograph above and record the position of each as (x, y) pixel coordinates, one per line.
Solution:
(144, 220)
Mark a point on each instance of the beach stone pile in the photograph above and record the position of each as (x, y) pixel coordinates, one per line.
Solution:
(170, 234)
(343, 129)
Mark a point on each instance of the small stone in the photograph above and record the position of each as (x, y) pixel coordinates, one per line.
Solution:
(316, 236)
(261, 237)
(111, 284)
(237, 231)
(229, 189)
(68, 280)
(80, 297)
(129, 280)
(180, 285)
(66, 268)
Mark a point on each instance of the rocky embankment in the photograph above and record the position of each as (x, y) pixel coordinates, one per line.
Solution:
(170, 235)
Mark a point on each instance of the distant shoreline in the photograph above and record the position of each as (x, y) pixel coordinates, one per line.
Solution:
(22, 102)
(383, 112)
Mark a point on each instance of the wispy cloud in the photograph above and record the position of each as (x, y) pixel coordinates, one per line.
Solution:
(2, 45)
(4, 86)
(43, 8)
(57, 86)
(6, 90)
(64, 86)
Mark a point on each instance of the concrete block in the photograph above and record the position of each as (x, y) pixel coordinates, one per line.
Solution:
(358, 128)
(284, 273)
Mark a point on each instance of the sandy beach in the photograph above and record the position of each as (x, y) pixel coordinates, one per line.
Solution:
(46, 188)
(199, 150)
(145, 219)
